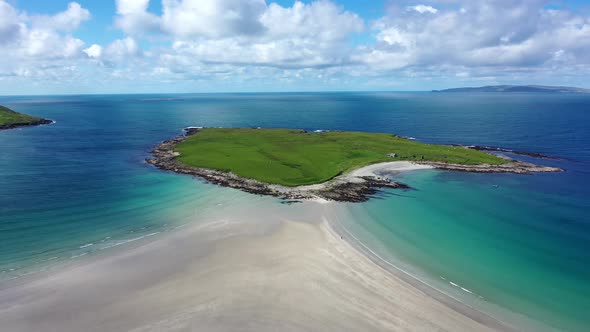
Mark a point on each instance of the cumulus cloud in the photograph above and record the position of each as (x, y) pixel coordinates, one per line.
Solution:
(247, 32)
(436, 37)
(94, 51)
(23, 36)
(191, 18)
(11, 26)
(68, 20)
(133, 18)
(118, 52)
(130, 7)
(423, 9)
(245, 41)
(123, 48)
(502, 34)
(214, 19)
(218, 19)
(35, 46)
(321, 20)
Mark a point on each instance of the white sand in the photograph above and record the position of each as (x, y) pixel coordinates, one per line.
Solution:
(387, 168)
(375, 170)
(261, 275)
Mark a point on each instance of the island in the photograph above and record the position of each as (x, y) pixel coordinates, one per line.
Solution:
(519, 88)
(10, 119)
(329, 165)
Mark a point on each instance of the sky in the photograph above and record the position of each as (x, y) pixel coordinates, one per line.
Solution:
(191, 46)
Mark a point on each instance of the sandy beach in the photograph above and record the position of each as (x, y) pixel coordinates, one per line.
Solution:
(255, 272)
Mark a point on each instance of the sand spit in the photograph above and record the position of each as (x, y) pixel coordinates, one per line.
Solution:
(268, 274)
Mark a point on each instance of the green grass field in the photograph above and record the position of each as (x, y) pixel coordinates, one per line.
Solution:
(293, 157)
(9, 118)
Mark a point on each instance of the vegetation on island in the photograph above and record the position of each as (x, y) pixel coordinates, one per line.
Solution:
(296, 157)
(11, 119)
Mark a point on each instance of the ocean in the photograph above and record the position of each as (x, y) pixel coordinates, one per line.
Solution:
(514, 245)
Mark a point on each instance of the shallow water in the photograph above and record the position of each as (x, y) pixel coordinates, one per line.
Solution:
(520, 242)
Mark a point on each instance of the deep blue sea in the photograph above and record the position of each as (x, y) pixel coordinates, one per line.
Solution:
(515, 245)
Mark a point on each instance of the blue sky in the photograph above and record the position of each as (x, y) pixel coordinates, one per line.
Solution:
(142, 46)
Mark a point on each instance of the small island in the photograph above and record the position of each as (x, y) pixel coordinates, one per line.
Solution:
(516, 88)
(10, 119)
(331, 165)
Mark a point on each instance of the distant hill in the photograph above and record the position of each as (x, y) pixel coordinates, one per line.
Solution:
(518, 88)
(10, 119)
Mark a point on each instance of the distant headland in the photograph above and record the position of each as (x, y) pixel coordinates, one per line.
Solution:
(330, 165)
(518, 88)
(10, 119)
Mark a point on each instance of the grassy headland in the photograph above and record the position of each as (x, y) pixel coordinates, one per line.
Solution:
(294, 157)
(11, 119)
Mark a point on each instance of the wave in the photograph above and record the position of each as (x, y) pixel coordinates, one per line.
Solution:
(118, 243)
(458, 286)
(372, 254)
(56, 261)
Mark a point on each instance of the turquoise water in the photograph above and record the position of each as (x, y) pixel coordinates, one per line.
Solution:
(514, 244)
(501, 245)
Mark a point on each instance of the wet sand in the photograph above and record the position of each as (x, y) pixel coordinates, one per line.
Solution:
(240, 273)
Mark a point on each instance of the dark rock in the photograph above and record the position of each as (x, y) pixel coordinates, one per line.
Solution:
(29, 124)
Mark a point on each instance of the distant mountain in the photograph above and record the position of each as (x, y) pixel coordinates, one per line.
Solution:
(518, 88)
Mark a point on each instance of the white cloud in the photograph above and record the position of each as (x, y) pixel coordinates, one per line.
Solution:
(10, 24)
(94, 51)
(39, 36)
(214, 19)
(320, 20)
(248, 32)
(130, 7)
(422, 9)
(242, 42)
(192, 18)
(393, 36)
(68, 20)
(49, 44)
(482, 34)
(123, 48)
(134, 19)
(218, 19)
(36, 44)
(420, 41)
(118, 52)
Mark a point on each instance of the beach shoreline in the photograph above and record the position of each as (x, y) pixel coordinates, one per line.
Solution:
(236, 272)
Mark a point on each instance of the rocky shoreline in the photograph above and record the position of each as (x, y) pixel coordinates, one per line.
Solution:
(30, 124)
(514, 166)
(343, 188)
(496, 149)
